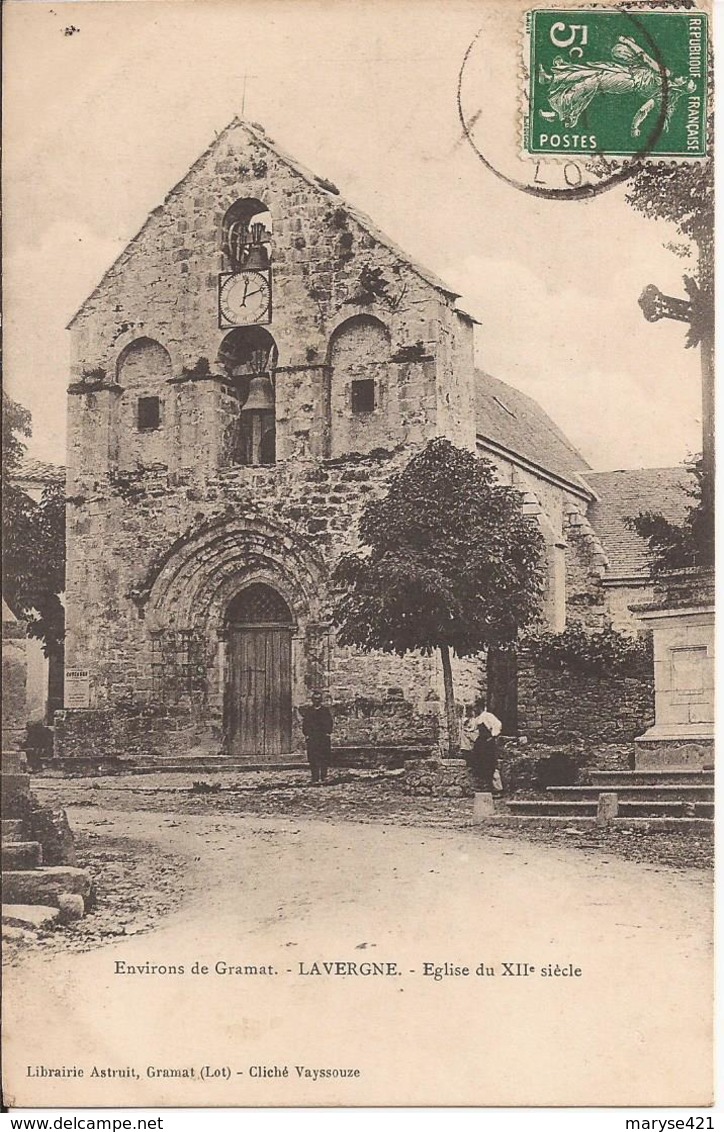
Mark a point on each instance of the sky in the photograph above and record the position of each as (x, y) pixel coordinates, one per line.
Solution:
(103, 120)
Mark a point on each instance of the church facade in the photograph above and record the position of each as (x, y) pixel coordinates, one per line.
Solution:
(256, 365)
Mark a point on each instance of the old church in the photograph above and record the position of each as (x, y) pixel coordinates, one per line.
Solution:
(254, 366)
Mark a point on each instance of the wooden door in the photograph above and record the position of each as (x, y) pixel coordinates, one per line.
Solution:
(260, 691)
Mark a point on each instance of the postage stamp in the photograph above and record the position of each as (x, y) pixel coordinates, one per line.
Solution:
(616, 83)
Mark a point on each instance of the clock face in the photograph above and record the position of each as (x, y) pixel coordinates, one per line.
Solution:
(245, 298)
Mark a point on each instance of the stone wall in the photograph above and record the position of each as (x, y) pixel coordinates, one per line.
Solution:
(129, 731)
(14, 679)
(585, 570)
(328, 270)
(390, 722)
(531, 767)
(558, 706)
(439, 778)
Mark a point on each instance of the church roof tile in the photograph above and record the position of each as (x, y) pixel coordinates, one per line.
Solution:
(510, 419)
(629, 492)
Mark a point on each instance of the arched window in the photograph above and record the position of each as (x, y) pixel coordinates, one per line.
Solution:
(359, 354)
(144, 366)
(246, 351)
(143, 362)
(249, 355)
(360, 342)
(246, 235)
(258, 604)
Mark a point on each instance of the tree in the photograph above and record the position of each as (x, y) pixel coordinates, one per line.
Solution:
(449, 562)
(684, 195)
(33, 540)
(677, 546)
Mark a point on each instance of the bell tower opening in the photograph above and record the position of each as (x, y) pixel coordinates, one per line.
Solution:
(248, 355)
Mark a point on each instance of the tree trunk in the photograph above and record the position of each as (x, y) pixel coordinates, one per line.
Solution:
(453, 738)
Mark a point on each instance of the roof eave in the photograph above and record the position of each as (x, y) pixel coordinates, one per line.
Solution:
(576, 487)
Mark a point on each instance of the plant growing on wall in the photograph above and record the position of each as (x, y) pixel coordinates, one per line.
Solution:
(33, 541)
(605, 652)
(449, 561)
(200, 368)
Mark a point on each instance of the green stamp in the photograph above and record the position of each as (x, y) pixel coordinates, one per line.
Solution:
(617, 83)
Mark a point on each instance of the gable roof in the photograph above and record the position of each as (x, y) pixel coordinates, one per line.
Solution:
(509, 419)
(625, 494)
(258, 135)
(38, 471)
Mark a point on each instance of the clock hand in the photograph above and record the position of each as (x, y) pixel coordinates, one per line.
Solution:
(246, 288)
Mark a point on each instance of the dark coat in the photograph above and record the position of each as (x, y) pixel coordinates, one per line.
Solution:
(317, 723)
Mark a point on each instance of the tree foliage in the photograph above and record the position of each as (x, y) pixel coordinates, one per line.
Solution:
(682, 194)
(16, 425)
(605, 652)
(449, 562)
(679, 546)
(33, 541)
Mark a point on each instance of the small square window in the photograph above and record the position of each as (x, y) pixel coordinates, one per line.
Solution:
(363, 396)
(149, 412)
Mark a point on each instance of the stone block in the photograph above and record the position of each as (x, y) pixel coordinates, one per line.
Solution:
(673, 755)
(15, 794)
(71, 906)
(52, 829)
(607, 808)
(14, 762)
(12, 829)
(22, 855)
(483, 807)
(29, 915)
(45, 885)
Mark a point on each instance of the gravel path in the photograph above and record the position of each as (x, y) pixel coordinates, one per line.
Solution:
(369, 796)
(277, 892)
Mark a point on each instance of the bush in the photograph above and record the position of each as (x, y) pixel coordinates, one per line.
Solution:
(606, 652)
(205, 787)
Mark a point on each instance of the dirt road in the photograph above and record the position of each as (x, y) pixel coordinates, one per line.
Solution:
(269, 901)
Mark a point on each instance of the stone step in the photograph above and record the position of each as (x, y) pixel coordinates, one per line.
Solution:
(45, 885)
(210, 760)
(21, 855)
(625, 809)
(611, 778)
(29, 915)
(15, 792)
(218, 767)
(12, 829)
(13, 762)
(633, 793)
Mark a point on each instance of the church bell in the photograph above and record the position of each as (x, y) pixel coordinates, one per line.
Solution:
(261, 395)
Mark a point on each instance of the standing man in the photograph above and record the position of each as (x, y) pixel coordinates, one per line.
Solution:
(317, 730)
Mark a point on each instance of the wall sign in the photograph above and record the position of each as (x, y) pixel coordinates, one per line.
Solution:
(77, 688)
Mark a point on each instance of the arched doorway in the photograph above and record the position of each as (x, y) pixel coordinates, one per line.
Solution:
(258, 707)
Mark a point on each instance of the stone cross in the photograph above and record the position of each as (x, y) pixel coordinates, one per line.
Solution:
(698, 312)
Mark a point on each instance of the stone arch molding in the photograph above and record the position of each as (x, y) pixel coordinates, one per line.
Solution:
(195, 586)
(124, 343)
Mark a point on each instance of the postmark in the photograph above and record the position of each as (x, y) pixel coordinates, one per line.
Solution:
(616, 83)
